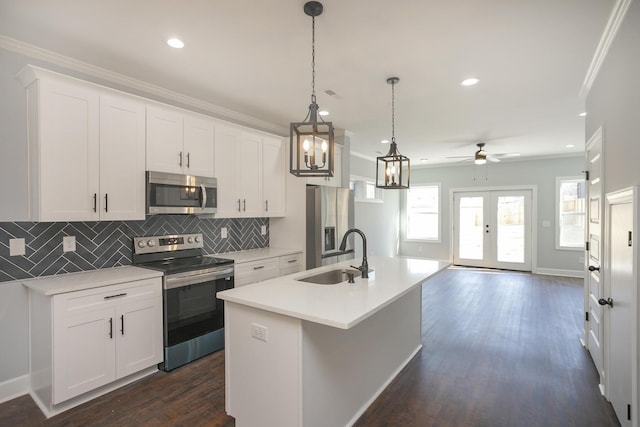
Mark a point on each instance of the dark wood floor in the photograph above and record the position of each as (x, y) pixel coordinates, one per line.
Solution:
(500, 349)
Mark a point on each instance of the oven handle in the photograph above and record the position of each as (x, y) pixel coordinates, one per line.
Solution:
(180, 280)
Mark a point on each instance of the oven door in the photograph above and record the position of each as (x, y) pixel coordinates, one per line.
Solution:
(169, 193)
(191, 308)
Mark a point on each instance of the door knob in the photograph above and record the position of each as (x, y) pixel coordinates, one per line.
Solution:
(607, 301)
(593, 268)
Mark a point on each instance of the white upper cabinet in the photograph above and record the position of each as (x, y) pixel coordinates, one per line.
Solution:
(274, 170)
(249, 174)
(199, 146)
(122, 159)
(86, 150)
(178, 142)
(226, 140)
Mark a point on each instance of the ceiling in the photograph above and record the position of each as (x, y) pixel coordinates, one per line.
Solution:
(254, 57)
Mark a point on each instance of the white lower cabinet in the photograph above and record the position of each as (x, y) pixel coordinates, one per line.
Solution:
(95, 337)
(265, 269)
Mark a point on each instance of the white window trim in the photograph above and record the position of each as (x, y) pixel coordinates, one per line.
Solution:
(406, 213)
(559, 179)
(367, 180)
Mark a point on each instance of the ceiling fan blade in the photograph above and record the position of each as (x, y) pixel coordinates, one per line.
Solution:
(459, 157)
(493, 159)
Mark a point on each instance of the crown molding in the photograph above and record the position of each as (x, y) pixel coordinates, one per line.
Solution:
(76, 65)
(611, 29)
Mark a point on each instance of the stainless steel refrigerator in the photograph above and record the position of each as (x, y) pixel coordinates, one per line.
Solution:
(329, 216)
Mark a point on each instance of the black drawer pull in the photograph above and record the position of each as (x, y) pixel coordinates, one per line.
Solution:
(292, 260)
(115, 296)
(259, 267)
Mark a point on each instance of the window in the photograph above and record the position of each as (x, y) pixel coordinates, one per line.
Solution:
(570, 199)
(423, 212)
(364, 189)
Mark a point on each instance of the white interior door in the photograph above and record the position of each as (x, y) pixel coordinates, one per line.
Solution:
(620, 309)
(593, 284)
(492, 229)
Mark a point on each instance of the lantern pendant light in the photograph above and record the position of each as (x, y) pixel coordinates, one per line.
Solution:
(392, 169)
(312, 140)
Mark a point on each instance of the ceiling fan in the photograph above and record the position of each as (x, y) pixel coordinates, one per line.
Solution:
(481, 156)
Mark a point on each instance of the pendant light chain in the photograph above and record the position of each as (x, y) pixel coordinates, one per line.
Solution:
(313, 59)
(393, 113)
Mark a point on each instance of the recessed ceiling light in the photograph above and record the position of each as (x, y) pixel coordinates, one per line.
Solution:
(583, 114)
(569, 146)
(385, 141)
(469, 82)
(323, 113)
(175, 43)
(424, 159)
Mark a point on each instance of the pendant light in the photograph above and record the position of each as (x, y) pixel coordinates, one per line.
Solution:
(311, 141)
(392, 169)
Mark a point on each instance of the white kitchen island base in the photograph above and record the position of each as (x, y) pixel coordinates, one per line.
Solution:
(309, 374)
(304, 354)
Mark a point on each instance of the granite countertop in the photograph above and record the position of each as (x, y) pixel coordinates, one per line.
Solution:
(343, 305)
(257, 254)
(71, 282)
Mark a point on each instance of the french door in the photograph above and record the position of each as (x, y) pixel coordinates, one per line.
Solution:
(493, 229)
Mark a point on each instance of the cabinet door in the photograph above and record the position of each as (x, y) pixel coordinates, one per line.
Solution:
(65, 157)
(198, 146)
(274, 171)
(139, 335)
(83, 351)
(249, 174)
(122, 159)
(226, 142)
(165, 140)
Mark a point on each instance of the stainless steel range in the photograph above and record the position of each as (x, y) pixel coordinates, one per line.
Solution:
(193, 316)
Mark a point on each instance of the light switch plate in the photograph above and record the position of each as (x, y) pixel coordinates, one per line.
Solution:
(546, 223)
(263, 230)
(223, 232)
(69, 244)
(16, 247)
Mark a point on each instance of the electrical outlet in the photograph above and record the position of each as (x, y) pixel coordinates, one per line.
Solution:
(223, 232)
(16, 247)
(259, 332)
(263, 230)
(69, 244)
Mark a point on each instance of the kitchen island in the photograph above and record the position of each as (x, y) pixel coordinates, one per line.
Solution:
(304, 354)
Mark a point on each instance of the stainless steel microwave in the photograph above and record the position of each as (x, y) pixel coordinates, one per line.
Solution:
(170, 193)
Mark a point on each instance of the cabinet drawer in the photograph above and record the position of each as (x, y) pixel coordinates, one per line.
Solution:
(89, 299)
(256, 271)
(291, 262)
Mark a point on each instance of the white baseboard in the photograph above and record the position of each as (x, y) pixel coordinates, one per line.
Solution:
(558, 272)
(13, 388)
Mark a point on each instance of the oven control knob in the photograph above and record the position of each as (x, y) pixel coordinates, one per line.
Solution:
(197, 238)
(151, 243)
(190, 240)
(141, 243)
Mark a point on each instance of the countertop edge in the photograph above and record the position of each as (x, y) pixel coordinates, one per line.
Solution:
(256, 254)
(89, 279)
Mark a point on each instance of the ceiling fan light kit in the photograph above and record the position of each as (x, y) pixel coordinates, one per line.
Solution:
(393, 169)
(311, 141)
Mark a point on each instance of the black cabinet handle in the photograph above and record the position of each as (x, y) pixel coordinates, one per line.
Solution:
(244, 205)
(594, 268)
(111, 327)
(188, 160)
(122, 324)
(106, 202)
(180, 162)
(95, 202)
(115, 296)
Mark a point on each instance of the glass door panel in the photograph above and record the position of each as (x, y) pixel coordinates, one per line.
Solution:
(510, 229)
(471, 226)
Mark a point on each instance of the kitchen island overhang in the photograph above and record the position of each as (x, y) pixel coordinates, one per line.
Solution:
(302, 354)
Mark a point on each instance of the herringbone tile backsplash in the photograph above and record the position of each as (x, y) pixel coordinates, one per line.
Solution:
(110, 244)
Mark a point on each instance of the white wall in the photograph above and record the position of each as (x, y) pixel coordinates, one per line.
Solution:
(378, 221)
(614, 104)
(539, 173)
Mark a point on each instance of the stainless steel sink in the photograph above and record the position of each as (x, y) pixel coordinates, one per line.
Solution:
(331, 277)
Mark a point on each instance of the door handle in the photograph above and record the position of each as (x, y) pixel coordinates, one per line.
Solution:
(594, 268)
(607, 301)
